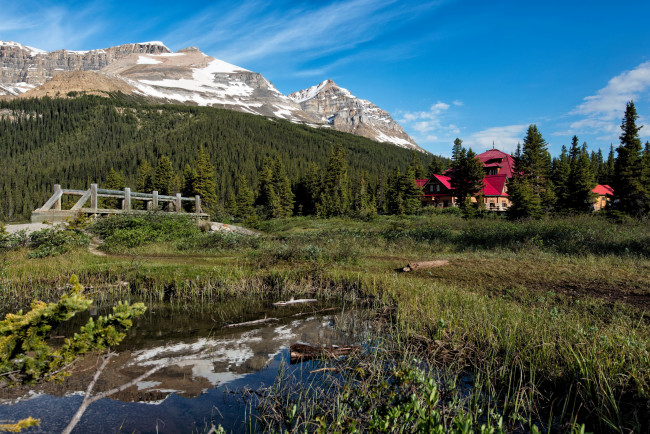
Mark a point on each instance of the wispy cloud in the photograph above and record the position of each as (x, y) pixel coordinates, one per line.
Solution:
(259, 30)
(601, 113)
(51, 26)
(504, 138)
(432, 125)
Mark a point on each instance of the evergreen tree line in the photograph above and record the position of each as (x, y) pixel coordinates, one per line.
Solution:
(75, 142)
(564, 184)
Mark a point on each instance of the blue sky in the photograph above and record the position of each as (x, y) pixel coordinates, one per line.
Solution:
(478, 70)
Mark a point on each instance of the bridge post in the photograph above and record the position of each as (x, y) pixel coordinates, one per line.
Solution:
(57, 204)
(197, 204)
(177, 202)
(127, 199)
(154, 205)
(93, 197)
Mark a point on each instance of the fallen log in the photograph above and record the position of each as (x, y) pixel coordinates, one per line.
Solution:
(249, 323)
(302, 352)
(426, 264)
(292, 301)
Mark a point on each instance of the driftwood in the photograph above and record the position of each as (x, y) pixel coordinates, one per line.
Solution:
(302, 352)
(426, 264)
(250, 323)
(292, 301)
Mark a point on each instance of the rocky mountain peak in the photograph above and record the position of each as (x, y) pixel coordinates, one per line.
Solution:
(345, 112)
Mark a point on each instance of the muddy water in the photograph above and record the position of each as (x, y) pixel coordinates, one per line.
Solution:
(207, 371)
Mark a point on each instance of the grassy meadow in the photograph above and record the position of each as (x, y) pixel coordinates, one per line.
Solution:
(532, 326)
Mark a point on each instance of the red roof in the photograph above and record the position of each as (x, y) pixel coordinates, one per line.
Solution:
(496, 158)
(420, 182)
(494, 185)
(603, 190)
(444, 180)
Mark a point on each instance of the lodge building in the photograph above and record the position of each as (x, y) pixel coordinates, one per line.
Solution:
(437, 191)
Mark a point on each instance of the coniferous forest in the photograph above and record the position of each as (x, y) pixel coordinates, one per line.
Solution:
(75, 142)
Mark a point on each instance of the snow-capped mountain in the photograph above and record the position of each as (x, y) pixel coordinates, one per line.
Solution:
(23, 68)
(153, 71)
(345, 112)
(189, 76)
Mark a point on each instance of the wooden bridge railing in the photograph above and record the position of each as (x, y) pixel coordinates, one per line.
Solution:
(52, 211)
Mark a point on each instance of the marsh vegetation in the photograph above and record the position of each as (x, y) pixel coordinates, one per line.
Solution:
(533, 325)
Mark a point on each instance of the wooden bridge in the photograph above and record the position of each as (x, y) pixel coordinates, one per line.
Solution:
(52, 210)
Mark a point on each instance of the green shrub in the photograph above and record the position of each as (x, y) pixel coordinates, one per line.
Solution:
(129, 231)
(219, 241)
(55, 241)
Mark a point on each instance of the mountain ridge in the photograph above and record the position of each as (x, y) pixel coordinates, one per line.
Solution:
(188, 76)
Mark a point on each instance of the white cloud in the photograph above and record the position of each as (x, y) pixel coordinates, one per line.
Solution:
(260, 30)
(504, 138)
(51, 26)
(601, 113)
(429, 121)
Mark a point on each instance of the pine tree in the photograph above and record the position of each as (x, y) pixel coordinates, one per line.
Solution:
(114, 181)
(630, 194)
(607, 177)
(532, 178)
(267, 198)
(410, 192)
(466, 175)
(435, 167)
(144, 178)
(560, 175)
(335, 192)
(394, 195)
(308, 190)
(416, 166)
(244, 200)
(205, 184)
(580, 198)
(163, 178)
(282, 185)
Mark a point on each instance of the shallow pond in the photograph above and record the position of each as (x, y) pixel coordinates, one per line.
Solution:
(209, 370)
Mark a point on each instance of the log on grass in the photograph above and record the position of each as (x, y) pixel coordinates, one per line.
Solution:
(302, 352)
(426, 264)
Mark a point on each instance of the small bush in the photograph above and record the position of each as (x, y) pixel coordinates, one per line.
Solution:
(219, 241)
(130, 231)
(54, 242)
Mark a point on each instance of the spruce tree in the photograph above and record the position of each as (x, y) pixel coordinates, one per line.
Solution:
(532, 178)
(435, 167)
(205, 184)
(410, 192)
(416, 166)
(114, 181)
(630, 194)
(144, 178)
(580, 197)
(244, 200)
(163, 176)
(466, 175)
(394, 195)
(560, 175)
(282, 185)
(267, 198)
(335, 192)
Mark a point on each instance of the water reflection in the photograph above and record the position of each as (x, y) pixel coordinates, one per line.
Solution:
(202, 361)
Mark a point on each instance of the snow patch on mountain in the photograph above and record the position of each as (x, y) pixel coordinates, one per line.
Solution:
(144, 60)
(32, 51)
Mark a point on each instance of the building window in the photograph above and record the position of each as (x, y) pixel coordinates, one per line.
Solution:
(430, 188)
(438, 188)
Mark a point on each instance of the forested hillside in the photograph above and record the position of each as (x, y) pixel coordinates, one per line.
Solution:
(76, 141)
